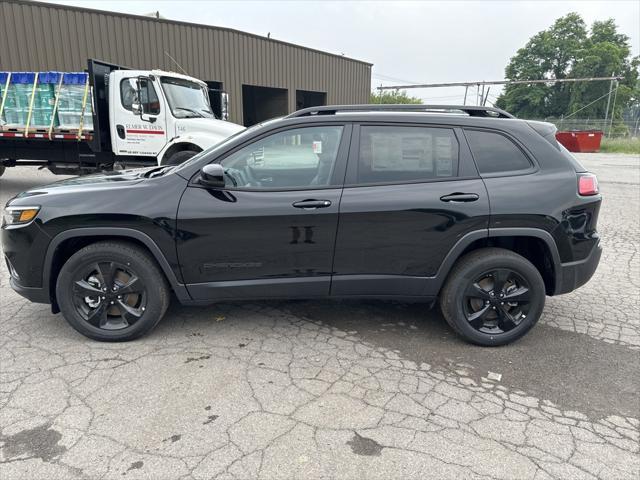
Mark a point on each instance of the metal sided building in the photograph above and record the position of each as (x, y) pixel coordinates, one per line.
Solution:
(263, 77)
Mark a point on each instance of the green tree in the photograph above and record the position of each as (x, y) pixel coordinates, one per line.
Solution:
(568, 50)
(393, 97)
(606, 53)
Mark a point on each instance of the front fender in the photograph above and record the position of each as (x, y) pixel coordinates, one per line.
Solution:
(117, 233)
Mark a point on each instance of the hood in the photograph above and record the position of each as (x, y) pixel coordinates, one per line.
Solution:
(224, 129)
(97, 181)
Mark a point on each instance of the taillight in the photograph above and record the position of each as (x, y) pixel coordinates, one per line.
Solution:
(587, 184)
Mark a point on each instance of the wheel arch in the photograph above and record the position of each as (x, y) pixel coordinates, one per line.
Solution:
(536, 245)
(65, 244)
(179, 146)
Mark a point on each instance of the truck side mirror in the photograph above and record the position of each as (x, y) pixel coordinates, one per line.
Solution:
(144, 97)
(212, 175)
(224, 100)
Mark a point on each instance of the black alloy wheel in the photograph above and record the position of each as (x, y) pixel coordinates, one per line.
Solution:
(109, 295)
(497, 301)
(493, 296)
(112, 291)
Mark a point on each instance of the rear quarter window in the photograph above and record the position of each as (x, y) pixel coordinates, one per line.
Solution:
(495, 153)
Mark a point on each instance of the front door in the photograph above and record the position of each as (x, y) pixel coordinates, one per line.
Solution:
(271, 231)
(410, 194)
(138, 123)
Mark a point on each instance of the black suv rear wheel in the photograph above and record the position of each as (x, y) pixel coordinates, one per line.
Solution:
(493, 296)
(112, 291)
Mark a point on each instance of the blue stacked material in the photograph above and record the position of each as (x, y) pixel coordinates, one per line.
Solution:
(16, 107)
(44, 100)
(70, 103)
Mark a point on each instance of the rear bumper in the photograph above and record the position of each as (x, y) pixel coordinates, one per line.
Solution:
(33, 294)
(575, 274)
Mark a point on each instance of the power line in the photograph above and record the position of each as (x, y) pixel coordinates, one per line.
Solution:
(591, 103)
(388, 78)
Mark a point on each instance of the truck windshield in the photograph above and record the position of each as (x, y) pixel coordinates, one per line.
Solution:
(186, 99)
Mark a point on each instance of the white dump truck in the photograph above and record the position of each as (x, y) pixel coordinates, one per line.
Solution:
(79, 122)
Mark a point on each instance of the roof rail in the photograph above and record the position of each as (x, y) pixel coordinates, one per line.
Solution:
(471, 110)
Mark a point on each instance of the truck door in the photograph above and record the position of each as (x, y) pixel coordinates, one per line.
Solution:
(137, 113)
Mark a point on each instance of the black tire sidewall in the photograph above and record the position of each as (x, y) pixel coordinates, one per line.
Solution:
(469, 272)
(157, 295)
(180, 157)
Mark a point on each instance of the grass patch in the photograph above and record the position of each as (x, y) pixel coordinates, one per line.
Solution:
(620, 145)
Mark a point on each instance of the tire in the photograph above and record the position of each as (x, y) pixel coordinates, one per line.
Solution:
(123, 269)
(179, 157)
(471, 304)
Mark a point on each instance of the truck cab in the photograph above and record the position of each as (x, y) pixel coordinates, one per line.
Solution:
(162, 114)
(108, 116)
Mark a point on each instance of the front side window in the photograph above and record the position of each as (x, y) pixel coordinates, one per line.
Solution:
(298, 158)
(186, 99)
(148, 97)
(495, 153)
(390, 154)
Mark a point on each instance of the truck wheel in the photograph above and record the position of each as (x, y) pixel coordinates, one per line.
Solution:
(492, 297)
(112, 291)
(179, 157)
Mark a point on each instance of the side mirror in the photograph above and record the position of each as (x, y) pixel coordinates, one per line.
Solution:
(212, 175)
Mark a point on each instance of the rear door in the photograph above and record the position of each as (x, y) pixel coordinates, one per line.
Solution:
(411, 192)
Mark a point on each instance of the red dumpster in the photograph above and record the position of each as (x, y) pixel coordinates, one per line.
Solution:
(585, 141)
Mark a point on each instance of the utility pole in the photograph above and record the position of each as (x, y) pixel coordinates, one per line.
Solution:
(615, 95)
(466, 89)
(606, 113)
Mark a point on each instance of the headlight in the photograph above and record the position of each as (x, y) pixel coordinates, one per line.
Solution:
(19, 215)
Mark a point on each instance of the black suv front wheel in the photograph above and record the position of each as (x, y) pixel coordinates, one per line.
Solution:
(112, 291)
(493, 296)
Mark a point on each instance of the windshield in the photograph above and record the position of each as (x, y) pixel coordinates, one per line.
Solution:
(186, 99)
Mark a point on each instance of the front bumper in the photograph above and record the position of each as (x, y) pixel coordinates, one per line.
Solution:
(575, 274)
(33, 294)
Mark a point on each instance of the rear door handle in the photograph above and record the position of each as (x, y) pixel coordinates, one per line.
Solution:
(312, 204)
(460, 197)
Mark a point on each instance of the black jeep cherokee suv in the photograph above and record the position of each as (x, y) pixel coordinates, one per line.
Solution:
(487, 212)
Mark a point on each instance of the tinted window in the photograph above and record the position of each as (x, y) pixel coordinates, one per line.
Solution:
(299, 158)
(495, 153)
(397, 154)
(148, 96)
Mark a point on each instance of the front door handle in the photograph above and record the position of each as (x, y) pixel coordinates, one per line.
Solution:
(120, 130)
(311, 204)
(460, 197)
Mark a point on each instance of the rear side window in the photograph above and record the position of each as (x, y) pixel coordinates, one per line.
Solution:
(495, 153)
(399, 154)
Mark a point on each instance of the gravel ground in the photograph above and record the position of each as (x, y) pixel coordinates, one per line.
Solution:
(334, 389)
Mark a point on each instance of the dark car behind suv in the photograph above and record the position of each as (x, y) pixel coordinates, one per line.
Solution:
(487, 212)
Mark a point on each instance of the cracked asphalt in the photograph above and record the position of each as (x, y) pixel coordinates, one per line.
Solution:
(334, 389)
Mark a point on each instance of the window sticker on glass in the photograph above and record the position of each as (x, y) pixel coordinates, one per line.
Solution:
(317, 147)
(444, 156)
(399, 153)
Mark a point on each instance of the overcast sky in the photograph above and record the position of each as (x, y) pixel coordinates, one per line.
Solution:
(407, 41)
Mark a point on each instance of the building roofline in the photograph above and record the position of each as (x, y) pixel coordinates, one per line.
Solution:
(180, 22)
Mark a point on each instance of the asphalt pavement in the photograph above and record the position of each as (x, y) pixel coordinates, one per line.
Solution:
(321, 389)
